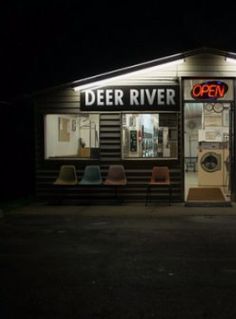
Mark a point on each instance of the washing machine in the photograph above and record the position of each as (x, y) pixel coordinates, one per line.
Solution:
(211, 164)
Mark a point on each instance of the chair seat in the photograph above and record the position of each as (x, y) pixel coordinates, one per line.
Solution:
(62, 182)
(112, 182)
(86, 182)
(161, 181)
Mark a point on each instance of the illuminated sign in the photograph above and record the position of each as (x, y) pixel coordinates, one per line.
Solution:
(209, 90)
(158, 97)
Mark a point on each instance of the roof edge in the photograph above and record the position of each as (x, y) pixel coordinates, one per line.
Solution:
(136, 67)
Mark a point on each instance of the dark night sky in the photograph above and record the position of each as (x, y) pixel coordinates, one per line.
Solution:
(52, 42)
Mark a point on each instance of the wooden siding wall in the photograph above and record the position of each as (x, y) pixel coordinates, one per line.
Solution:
(138, 171)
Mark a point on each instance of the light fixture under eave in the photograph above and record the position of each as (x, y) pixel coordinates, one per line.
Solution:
(100, 83)
(230, 60)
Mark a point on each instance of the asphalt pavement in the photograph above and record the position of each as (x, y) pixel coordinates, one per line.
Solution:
(118, 261)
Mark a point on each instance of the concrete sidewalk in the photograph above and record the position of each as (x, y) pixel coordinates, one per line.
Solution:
(114, 262)
(127, 209)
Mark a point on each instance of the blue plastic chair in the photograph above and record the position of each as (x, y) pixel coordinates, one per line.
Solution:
(92, 175)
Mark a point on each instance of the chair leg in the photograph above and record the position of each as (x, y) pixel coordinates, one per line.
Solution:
(147, 195)
(115, 191)
(116, 194)
(170, 195)
(118, 198)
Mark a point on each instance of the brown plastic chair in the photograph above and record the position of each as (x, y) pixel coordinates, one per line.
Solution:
(116, 177)
(67, 176)
(160, 177)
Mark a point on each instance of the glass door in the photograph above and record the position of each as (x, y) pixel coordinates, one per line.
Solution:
(207, 152)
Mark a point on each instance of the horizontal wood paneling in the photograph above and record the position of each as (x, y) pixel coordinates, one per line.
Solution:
(110, 137)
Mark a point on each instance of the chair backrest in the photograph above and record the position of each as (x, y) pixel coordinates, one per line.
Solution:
(160, 174)
(92, 175)
(67, 175)
(116, 173)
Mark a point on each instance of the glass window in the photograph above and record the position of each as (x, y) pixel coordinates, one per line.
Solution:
(149, 135)
(69, 135)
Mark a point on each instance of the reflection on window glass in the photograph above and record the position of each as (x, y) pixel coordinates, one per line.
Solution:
(68, 135)
(149, 135)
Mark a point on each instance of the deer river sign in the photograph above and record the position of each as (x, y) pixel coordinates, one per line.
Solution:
(159, 98)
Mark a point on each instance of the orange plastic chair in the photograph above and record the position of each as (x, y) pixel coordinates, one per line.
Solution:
(160, 177)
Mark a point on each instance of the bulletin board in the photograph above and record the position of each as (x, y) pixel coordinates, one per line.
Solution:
(63, 129)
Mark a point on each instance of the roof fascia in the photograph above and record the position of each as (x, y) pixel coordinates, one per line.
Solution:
(136, 67)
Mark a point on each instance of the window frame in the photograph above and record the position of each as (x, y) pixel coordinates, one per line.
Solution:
(150, 158)
(69, 158)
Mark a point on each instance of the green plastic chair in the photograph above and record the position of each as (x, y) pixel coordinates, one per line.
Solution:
(67, 176)
(92, 175)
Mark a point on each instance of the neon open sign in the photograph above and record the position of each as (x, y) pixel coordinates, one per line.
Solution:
(209, 90)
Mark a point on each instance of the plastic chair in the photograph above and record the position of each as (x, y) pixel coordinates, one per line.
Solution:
(116, 177)
(92, 175)
(67, 176)
(160, 177)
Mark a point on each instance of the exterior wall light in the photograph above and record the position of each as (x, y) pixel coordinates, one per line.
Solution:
(230, 60)
(123, 76)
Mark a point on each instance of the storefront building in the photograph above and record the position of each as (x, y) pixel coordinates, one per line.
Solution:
(177, 111)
